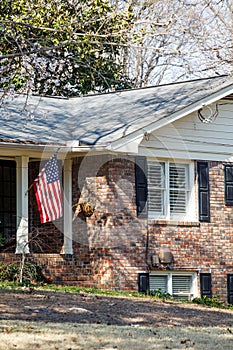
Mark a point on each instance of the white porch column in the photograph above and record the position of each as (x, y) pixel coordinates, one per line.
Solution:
(68, 247)
(22, 204)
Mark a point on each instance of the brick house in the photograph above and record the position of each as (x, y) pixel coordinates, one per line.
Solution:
(156, 164)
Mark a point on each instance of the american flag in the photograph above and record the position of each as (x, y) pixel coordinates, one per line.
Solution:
(48, 191)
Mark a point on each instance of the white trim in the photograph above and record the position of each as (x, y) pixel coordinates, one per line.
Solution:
(192, 202)
(169, 283)
(67, 200)
(127, 147)
(166, 200)
(22, 204)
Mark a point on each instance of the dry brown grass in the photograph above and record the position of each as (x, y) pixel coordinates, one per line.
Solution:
(36, 319)
(23, 335)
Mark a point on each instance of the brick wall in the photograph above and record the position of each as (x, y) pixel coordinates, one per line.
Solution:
(207, 247)
(112, 245)
(112, 240)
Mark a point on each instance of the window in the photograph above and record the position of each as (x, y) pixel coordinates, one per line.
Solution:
(170, 187)
(7, 199)
(181, 285)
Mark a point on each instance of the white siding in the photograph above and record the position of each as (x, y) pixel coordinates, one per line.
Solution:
(189, 138)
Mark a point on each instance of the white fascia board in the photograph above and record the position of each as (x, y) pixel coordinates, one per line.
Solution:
(134, 136)
(11, 150)
(31, 150)
(85, 149)
(129, 147)
(77, 146)
(73, 143)
(14, 149)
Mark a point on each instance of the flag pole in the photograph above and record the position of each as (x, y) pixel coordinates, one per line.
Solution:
(29, 188)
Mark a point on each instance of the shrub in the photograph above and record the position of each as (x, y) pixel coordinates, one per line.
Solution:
(160, 294)
(32, 273)
(213, 301)
(8, 272)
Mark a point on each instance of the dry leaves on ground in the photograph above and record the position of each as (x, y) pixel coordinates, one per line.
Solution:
(59, 320)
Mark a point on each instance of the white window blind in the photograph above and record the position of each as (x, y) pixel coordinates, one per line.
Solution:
(168, 189)
(156, 187)
(158, 282)
(181, 284)
(177, 184)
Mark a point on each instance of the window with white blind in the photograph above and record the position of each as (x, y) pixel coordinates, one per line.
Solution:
(170, 188)
(180, 285)
(158, 282)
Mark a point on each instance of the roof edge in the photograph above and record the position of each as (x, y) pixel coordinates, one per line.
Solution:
(135, 135)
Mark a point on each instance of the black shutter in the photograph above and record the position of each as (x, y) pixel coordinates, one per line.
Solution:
(206, 284)
(141, 186)
(228, 171)
(230, 288)
(143, 282)
(203, 191)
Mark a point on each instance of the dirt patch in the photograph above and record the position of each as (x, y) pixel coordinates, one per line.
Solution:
(97, 309)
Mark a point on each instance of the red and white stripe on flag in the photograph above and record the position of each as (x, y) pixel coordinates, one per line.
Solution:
(48, 191)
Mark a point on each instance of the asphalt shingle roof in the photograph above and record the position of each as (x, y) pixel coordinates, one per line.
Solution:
(99, 119)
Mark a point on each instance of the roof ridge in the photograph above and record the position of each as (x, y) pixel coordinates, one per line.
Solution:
(150, 87)
(125, 90)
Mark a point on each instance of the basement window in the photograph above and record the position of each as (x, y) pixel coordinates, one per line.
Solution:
(180, 285)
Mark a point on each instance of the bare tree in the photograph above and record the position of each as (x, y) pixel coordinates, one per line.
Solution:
(175, 40)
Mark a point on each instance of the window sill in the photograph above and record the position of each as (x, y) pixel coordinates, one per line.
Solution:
(173, 223)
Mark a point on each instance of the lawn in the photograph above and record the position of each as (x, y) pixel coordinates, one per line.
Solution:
(32, 318)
